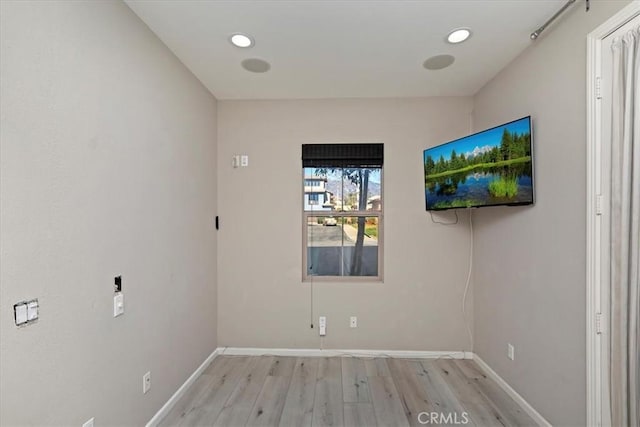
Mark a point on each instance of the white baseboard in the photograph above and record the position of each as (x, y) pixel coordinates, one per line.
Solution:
(315, 352)
(181, 391)
(511, 392)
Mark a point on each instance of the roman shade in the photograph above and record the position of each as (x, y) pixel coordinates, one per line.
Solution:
(342, 155)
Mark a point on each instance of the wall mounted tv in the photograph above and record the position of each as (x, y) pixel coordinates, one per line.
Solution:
(490, 168)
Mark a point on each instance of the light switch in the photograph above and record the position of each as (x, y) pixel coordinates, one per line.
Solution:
(244, 160)
(118, 304)
(20, 310)
(32, 310)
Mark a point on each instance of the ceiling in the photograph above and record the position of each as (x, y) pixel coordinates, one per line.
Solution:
(344, 49)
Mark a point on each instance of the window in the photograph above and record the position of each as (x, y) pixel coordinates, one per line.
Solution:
(342, 211)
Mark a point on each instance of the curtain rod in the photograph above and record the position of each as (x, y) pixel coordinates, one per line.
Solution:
(539, 31)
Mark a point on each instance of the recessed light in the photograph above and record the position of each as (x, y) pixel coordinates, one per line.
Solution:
(438, 62)
(459, 35)
(241, 40)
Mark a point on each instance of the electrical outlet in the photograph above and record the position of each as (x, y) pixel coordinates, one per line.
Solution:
(353, 322)
(146, 382)
(322, 326)
(511, 351)
(88, 423)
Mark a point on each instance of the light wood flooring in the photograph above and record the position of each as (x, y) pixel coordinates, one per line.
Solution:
(343, 391)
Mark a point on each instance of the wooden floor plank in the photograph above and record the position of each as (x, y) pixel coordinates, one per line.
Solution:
(439, 393)
(220, 362)
(411, 391)
(355, 386)
(328, 407)
(225, 377)
(282, 366)
(298, 407)
(359, 415)
(377, 367)
(268, 407)
(238, 407)
(479, 408)
(512, 413)
(386, 402)
(186, 403)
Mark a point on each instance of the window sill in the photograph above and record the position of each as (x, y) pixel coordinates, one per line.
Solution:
(344, 279)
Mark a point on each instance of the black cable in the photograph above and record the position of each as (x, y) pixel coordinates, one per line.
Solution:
(310, 277)
(311, 266)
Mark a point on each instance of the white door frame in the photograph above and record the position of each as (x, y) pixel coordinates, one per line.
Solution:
(594, 223)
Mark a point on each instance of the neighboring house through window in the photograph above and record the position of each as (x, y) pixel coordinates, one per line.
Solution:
(342, 211)
(315, 193)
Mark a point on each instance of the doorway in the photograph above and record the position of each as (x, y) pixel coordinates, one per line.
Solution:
(599, 108)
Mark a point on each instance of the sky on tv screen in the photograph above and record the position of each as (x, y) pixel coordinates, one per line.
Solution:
(488, 138)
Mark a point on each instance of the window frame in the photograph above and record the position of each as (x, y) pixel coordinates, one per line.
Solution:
(379, 214)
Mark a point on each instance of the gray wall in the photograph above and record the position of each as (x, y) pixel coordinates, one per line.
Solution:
(262, 300)
(108, 166)
(530, 262)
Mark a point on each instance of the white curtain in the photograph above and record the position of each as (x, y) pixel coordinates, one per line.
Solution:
(625, 232)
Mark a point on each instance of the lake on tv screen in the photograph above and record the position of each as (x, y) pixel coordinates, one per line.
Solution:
(490, 168)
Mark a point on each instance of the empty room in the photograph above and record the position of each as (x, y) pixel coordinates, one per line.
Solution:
(319, 213)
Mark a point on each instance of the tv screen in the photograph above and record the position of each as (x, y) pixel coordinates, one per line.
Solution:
(490, 168)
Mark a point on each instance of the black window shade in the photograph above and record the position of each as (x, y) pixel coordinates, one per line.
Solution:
(342, 155)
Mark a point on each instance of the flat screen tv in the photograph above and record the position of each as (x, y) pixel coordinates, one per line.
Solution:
(490, 168)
